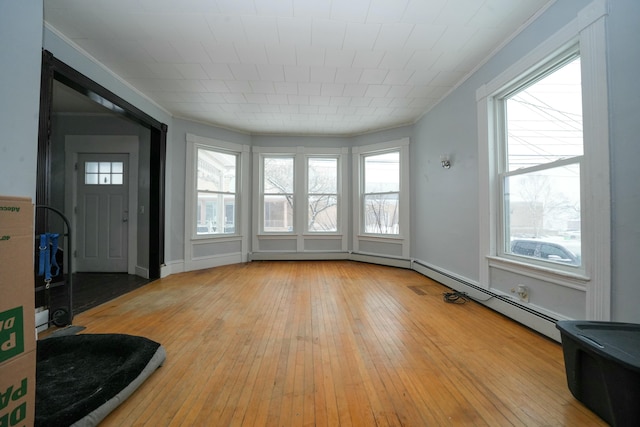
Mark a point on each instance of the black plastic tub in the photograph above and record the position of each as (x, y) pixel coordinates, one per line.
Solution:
(602, 362)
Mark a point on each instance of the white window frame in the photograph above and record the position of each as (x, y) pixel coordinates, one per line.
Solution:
(300, 232)
(502, 170)
(588, 31)
(364, 193)
(337, 194)
(191, 195)
(220, 192)
(403, 238)
(293, 194)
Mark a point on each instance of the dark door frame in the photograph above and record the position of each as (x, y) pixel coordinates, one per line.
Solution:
(54, 69)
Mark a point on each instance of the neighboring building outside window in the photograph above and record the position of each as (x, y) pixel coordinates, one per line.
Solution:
(217, 192)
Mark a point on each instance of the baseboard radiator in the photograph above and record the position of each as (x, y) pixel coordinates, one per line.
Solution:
(503, 304)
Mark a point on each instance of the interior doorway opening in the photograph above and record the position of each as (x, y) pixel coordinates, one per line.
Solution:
(72, 105)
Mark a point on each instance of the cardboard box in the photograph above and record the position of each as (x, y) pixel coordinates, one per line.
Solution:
(17, 294)
(18, 391)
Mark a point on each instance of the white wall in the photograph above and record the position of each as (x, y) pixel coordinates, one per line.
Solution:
(21, 41)
(623, 34)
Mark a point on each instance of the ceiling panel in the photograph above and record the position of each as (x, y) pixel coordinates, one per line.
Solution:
(292, 66)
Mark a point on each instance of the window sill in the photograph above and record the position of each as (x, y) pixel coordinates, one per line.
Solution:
(290, 235)
(322, 235)
(568, 279)
(215, 238)
(381, 237)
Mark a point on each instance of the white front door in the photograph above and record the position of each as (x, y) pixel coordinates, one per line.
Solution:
(102, 212)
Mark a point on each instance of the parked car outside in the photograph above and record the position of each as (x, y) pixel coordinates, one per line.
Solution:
(560, 251)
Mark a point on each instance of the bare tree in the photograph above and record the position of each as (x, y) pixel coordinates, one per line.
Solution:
(321, 189)
(545, 206)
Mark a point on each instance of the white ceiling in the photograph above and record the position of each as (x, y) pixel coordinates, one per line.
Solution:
(330, 67)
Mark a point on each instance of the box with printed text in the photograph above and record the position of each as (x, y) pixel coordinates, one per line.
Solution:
(17, 311)
(18, 391)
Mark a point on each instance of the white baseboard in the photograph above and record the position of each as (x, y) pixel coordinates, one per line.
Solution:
(210, 262)
(381, 260)
(42, 320)
(172, 267)
(298, 256)
(142, 272)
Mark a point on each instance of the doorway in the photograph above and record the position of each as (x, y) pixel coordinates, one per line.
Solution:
(110, 233)
(102, 212)
(139, 253)
(153, 151)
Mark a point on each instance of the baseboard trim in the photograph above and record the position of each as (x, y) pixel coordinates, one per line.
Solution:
(142, 272)
(210, 262)
(173, 267)
(298, 256)
(381, 260)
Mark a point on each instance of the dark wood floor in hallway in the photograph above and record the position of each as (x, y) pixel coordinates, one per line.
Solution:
(92, 289)
(328, 343)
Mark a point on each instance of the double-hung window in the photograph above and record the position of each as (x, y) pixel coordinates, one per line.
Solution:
(540, 152)
(277, 194)
(381, 193)
(322, 194)
(381, 205)
(544, 189)
(217, 191)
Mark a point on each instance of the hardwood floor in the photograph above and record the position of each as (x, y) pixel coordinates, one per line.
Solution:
(332, 344)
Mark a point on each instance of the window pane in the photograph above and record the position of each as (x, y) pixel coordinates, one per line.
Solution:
(104, 179)
(323, 213)
(544, 205)
(229, 215)
(323, 176)
(104, 173)
(117, 167)
(278, 175)
(382, 173)
(215, 213)
(544, 121)
(91, 167)
(381, 214)
(91, 178)
(216, 185)
(278, 213)
(216, 171)
(207, 213)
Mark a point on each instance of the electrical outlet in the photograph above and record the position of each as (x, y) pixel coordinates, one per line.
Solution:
(522, 292)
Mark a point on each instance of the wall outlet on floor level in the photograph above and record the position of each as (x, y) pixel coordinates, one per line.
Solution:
(523, 293)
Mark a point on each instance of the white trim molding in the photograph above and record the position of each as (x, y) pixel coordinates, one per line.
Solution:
(404, 239)
(280, 242)
(221, 241)
(587, 30)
